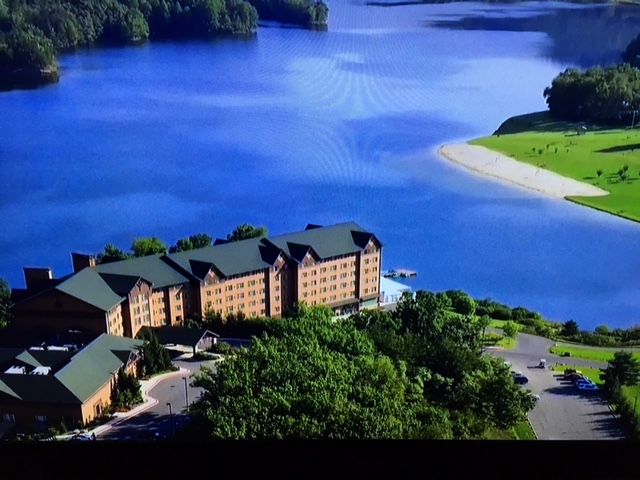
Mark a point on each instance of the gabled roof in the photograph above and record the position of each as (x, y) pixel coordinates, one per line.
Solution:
(231, 258)
(152, 268)
(92, 367)
(177, 335)
(120, 284)
(332, 241)
(77, 380)
(88, 286)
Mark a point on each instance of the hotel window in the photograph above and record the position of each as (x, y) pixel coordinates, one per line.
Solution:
(333, 287)
(334, 268)
(304, 275)
(277, 298)
(343, 275)
(323, 270)
(208, 304)
(323, 280)
(277, 288)
(366, 290)
(218, 301)
(252, 293)
(375, 269)
(179, 318)
(240, 295)
(262, 290)
(240, 285)
(261, 281)
(177, 297)
(314, 292)
(314, 282)
(314, 303)
(208, 293)
(366, 261)
(334, 278)
(343, 285)
(373, 289)
(162, 310)
(252, 304)
(314, 272)
(366, 270)
(324, 299)
(230, 298)
(229, 288)
(366, 280)
(333, 298)
(218, 291)
(343, 296)
(262, 300)
(345, 265)
(304, 285)
(41, 419)
(252, 283)
(241, 306)
(178, 307)
(9, 418)
(304, 294)
(277, 309)
(230, 308)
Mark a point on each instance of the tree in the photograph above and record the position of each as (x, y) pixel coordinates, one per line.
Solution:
(111, 254)
(246, 231)
(602, 330)
(155, 358)
(200, 240)
(631, 55)
(570, 328)
(141, 247)
(5, 303)
(126, 392)
(623, 368)
(510, 330)
(483, 322)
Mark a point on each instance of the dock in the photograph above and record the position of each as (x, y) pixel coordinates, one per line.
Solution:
(400, 273)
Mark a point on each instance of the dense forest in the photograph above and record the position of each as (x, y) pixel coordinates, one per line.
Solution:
(600, 95)
(32, 32)
(416, 373)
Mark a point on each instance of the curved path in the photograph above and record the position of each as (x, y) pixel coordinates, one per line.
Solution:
(563, 412)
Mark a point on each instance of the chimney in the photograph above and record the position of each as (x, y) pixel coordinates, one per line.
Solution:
(82, 261)
(37, 276)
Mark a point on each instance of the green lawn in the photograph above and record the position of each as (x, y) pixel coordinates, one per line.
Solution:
(522, 431)
(540, 141)
(631, 393)
(599, 355)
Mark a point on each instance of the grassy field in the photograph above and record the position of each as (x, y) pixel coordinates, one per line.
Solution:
(522, 431)
(538, 140)
(601, 355)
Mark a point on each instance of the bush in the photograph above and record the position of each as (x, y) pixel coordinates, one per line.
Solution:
(222, 348)
(492, 338)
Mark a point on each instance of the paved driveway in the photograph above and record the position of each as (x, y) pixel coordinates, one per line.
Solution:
(157, 418)
(563, 412)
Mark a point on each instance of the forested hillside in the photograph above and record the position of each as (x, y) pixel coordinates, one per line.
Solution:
(32, 32)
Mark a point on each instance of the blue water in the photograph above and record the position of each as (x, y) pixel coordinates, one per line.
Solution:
(295, 127)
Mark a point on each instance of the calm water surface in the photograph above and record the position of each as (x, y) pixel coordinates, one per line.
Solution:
(295, 127)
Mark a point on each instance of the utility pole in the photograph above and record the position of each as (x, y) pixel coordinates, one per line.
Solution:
(171, 419)
(186, 392)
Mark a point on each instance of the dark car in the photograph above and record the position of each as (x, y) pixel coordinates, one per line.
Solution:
(522, 380)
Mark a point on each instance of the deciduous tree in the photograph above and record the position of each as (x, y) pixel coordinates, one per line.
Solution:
(246, 231)
(110, 254)
(141, 247)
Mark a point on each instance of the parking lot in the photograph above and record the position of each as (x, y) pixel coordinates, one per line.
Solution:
(563, 412)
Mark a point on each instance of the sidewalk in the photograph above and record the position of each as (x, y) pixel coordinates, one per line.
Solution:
(119, 417)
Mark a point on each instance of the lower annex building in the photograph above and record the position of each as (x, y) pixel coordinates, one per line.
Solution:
(338, 266)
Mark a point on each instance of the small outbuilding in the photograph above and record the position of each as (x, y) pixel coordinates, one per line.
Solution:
(182, 338)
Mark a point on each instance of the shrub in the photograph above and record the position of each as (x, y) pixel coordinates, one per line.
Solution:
(222, 348)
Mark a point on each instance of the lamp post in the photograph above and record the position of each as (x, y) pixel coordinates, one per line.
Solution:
(186, 392)
(171, 417)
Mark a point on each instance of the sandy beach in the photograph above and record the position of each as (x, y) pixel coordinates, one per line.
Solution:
(493, 164)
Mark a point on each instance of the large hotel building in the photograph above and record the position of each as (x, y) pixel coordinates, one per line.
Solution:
(338, 266)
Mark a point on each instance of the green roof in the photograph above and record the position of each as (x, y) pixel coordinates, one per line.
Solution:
(77, 381)
(231, 258)
(177, 335)
(332, 241)
(151, 268)
(91, 368)
(234, 258)
(88, 286)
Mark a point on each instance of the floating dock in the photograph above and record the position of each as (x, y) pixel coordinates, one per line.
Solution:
(401, 273)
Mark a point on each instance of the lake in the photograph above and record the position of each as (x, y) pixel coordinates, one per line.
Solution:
(294, 127)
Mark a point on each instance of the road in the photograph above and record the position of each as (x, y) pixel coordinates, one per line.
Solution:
(563, 412)
(157, 418)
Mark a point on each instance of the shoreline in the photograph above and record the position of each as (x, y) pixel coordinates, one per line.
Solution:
(489, 163)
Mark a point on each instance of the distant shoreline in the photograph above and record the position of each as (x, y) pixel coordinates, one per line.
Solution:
(489, 163)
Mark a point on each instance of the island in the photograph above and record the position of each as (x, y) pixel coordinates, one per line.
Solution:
(32, 34)
(585, 148)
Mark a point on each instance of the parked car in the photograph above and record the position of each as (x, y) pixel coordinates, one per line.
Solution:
(521, 380)
(579, 378)
(82, 437)
(569, 372)
(517, 374)
(588, 387)
(583, 381)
